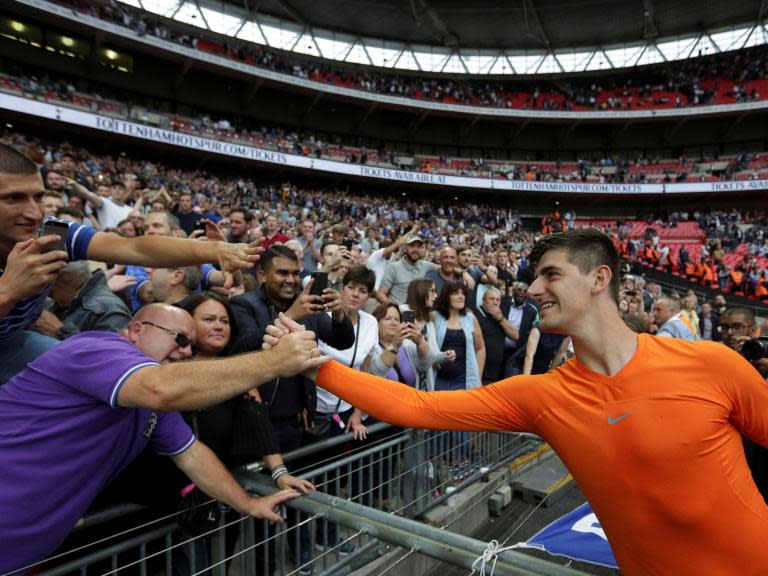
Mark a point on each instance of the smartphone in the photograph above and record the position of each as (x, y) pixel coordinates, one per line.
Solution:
(200, 224)
(409, 316)
(347, 243)
(55, 228)
(319, 283)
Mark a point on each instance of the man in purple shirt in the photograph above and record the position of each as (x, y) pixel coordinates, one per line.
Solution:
(78, 414)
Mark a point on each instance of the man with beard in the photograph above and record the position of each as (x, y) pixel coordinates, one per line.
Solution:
(397, 277)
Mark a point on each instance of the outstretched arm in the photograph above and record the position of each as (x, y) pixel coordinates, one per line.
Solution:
(487, 408)
(195, 385)
(202, 466)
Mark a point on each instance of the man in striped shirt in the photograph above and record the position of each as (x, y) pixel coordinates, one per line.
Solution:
(27, 270)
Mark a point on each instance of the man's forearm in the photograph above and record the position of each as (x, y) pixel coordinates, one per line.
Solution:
(155, 251)
(204, 468)
(194, 385)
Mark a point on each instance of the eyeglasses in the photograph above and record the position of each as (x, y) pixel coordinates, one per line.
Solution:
(181, 339)
(733, 327)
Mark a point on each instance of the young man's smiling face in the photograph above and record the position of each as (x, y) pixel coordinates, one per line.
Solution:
(562, 291)
(21, 211)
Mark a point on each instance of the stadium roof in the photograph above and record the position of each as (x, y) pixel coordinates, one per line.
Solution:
(483, 36)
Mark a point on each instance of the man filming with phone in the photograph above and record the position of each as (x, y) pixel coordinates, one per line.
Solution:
(291, 401)
(29, 264)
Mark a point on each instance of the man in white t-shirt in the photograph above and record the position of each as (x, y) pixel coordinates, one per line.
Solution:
(110, 211)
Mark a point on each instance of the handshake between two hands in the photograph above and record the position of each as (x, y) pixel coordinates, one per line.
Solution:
(301, 353)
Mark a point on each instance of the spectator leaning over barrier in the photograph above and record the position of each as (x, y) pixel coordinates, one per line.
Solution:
(656, 418)
(97, 400)
(28, 266)
(671, 324)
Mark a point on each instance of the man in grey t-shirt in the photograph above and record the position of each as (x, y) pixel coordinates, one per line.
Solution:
(399, 274)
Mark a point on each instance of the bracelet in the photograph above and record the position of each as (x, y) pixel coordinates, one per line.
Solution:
(278, 471)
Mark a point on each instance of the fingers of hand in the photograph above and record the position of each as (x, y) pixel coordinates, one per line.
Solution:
(290, 324)
(317, 362)
(274, 331)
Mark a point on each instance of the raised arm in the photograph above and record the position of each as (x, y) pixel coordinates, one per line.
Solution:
(395, 246)
(84, 193)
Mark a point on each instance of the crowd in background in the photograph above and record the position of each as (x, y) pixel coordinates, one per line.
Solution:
(729, 77)
(595, 168)
(430, 294)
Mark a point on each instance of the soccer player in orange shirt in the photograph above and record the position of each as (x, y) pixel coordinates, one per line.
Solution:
(649, 427)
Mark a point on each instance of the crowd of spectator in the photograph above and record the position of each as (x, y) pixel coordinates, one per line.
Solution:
(737, 76)
(643, 168)
(432, 295)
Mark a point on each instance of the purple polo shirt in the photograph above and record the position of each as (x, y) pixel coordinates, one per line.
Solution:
(63, 439)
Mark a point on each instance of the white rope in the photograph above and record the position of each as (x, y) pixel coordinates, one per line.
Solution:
(489, 557)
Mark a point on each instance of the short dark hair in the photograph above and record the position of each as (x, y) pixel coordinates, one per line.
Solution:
(74, 212)
(247, 216)
(381, 310)
(443, 302)
(14, 161)
(360, 275)
(276, 251)
(586, 248)
(327, 243)
(743, 310)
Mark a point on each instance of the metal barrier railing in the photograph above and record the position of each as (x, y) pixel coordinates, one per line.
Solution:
(401, 473)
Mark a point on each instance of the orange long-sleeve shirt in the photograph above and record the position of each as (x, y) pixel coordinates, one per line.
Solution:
(655, 448)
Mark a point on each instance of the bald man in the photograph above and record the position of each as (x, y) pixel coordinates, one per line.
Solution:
(80, 413)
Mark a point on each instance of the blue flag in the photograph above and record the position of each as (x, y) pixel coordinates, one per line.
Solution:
(577, 536)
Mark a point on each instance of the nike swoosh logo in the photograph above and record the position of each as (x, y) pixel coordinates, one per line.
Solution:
(618, 418)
